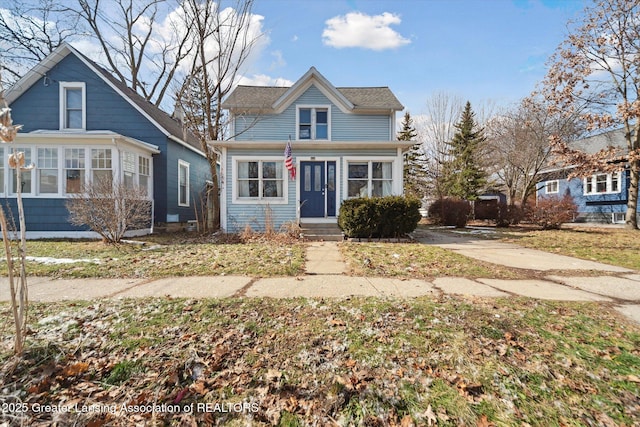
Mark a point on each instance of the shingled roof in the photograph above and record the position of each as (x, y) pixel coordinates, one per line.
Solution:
(263, 97)
(160, 118)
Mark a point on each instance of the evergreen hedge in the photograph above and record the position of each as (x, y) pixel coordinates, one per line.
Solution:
(381, 217)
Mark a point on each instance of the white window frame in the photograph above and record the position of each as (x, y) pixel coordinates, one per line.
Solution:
(549, 187)
(618, 217)
(186, 165)
(259, 200)
(592, 181)
(12, 175)
(40, 168)
(314, 108)
(63, 104)
(396, 169)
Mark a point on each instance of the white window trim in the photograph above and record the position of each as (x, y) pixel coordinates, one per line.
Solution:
(592, 178)
(313, 108)
(257, 200)
(620, 220)
(181, 164)
(63, 108)
(396, 173)
(549, 183)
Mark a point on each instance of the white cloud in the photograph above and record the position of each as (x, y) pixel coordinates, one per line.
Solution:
(264, 80)
(355, 29)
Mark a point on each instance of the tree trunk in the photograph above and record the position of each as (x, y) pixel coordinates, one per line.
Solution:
(631, 219)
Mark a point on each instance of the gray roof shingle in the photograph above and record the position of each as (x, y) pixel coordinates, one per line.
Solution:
(263, 97)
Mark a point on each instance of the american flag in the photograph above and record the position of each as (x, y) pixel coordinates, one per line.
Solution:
(288, 161)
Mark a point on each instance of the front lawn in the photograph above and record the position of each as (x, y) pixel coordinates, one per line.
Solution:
(444, 361)
(165, 256)
(613, 246)
(415, 260)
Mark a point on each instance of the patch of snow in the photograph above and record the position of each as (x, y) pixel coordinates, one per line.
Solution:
(51, 260)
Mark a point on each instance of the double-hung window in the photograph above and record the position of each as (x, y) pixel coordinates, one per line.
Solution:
(72, 105)
(183, 183)
(101, 165)
(144, 170)
(313, 123)
(74, 169)
(25, 176)
(260, 179)
(129, 169)
(47, 170)
(552, 187)
(369, 179)
(602, 183)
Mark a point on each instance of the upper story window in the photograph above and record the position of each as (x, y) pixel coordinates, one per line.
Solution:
(313, 123)
(603, 183)
(72, 105)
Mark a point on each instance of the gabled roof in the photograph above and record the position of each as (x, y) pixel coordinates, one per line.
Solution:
(163, 121)
(276, 99)
(592, 144)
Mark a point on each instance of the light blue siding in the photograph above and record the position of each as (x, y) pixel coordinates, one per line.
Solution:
(344, 126)
(240, 216)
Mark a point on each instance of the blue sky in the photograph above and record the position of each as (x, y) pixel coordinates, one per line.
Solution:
(481, 50)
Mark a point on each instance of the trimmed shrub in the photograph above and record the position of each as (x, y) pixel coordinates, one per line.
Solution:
(450, 211)
(507, 215)
(384, 217)
(551, 212)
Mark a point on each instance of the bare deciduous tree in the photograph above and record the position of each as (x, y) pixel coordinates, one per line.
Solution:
(518, 140)
(139, 51)
(596, 73)
(224, 38)
(435, 128)
(29, 31)
(110, 209)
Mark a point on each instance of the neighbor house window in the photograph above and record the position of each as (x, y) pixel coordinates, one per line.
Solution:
(602, 183)
(72, 106)
(47, 170)
(128, 169)
(101, 165)
(370, 179)
(144, 171)
(25, 176)
(74, 167)
(183, 183)
(551, 187)
(313, 123)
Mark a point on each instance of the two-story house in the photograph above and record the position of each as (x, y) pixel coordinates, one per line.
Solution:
(343, 145)
(81, 124)
(601, 197)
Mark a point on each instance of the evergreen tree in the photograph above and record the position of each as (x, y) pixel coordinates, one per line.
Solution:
(462, 175)
(415, 171)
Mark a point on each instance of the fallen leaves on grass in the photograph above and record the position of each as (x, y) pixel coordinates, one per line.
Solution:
(361, 361)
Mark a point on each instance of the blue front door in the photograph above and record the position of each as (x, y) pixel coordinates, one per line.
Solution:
(318, 189)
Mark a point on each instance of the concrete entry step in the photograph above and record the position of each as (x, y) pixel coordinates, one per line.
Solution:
(322, 232)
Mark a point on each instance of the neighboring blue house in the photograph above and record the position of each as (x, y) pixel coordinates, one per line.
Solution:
(80, 123)
(343, 144)
(601, 197)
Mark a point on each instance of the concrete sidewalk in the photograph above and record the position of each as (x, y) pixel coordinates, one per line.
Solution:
(326, 277)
